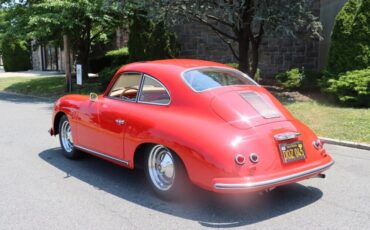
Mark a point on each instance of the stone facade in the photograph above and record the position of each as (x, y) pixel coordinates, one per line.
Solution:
(276, 54)
(42, 60)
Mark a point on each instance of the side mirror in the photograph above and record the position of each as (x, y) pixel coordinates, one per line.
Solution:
(93, 97)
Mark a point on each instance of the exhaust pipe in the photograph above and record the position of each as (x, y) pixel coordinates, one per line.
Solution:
(321, 175)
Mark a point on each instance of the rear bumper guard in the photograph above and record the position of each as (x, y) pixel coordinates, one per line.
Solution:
(273, 182)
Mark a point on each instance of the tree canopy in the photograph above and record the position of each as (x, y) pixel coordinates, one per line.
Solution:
(350, 45)
(242, 24)
(84, 21)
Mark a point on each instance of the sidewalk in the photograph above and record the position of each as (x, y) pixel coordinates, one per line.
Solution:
(30, 73)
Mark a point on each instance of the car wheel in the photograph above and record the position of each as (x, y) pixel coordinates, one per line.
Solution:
(165, 173)
(66, 139)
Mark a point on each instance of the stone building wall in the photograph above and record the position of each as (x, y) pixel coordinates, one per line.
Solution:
(276, 54)
(36, 58)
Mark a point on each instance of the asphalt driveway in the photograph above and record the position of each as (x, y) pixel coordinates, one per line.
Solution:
(40, 189)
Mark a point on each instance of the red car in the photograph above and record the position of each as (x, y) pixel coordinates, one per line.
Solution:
(191, 120)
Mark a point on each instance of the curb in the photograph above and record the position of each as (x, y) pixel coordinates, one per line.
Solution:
(345, 143)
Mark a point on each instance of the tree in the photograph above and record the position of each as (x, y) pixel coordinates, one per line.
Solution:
(150, 40)
(139, 28)
(350, 45)
(15, 54)
(84, 21)
(242, 24)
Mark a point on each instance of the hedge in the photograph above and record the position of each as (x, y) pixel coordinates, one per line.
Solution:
(16, 55)
(116, 57)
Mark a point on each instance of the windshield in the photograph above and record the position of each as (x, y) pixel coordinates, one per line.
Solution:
(212, 77)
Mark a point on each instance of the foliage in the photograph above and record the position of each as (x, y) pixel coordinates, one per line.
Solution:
(299, 79)
(162, 43)
(106, 75)
(15, 54)
(233, 64)
(119, 57)
(310, 81)
(139, 28)
(350, 45)
(291, 79)
(352, 88)
(118, 52)
(240, 24)
(149, 40)
(116, 57)
(84, 21)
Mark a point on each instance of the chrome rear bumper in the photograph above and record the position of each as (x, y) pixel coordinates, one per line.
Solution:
(273, 182)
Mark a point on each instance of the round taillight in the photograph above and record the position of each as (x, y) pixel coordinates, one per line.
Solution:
(240, 159)
(254, 158)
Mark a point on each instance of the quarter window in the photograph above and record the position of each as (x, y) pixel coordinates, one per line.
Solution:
(126, 87)
(154, 92)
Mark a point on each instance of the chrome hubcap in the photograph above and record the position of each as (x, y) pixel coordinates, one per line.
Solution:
(161, 167)
(66, 136)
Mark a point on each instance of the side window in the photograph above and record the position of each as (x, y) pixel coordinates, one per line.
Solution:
(126, 87)
(153, 92)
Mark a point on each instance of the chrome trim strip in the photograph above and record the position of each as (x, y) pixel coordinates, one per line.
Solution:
(272, 182)
(286, 136)
(101, 154)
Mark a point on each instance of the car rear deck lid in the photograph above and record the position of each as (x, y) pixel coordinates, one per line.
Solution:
(245, 109)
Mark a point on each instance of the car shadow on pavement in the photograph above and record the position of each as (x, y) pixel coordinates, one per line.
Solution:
(208, 209)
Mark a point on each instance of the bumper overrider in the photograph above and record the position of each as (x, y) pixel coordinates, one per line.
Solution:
(270, 183)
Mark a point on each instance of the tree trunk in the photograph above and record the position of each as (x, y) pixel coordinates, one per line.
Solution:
(244, 54)
(254, 61)
(67, 63)
(84, 49)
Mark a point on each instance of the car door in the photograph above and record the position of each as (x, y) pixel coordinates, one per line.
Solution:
(113, 111)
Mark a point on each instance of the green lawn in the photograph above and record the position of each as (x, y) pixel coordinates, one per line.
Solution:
(334, 122)
(51, 87)
(326, 120)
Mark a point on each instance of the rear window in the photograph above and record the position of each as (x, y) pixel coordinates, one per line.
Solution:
(212, 77)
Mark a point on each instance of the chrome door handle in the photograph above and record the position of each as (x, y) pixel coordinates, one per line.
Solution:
(120, 122)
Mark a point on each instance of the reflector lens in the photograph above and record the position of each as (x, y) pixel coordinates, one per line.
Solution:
(240, 159)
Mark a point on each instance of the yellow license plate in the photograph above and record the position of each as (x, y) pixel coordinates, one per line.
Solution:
(292, 151)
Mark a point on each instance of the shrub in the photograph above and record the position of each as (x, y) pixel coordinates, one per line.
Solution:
(16, 55)
(310, 81)
(116, 57)
(118, 52)
(106, 75)
(350, 43)
(97, 64)
(352, 88)
(291, 79)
